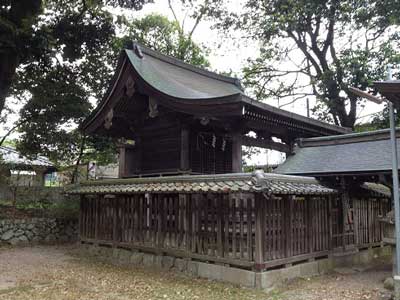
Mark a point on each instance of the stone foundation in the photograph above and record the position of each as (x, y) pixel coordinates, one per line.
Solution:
(38, 230)
(248, 278)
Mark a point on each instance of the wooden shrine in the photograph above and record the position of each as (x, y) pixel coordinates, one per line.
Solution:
(174, 118)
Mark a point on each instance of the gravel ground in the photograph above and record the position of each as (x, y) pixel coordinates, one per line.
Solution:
(51, 272)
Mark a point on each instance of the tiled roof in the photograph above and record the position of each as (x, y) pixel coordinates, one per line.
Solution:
(367, 152)
(377, 188)
(224, 183)
(12, 157)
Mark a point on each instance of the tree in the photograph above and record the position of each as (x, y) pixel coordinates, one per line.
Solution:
(158, 33)
(319, 48)
(60, 93)
(37, 32)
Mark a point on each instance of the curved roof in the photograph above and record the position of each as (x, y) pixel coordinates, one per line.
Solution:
(196, 91)
(179, 80)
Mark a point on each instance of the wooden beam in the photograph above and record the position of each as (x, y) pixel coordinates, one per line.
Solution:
(237, 152)
(260, 228)
(267, 144)
(122, 162)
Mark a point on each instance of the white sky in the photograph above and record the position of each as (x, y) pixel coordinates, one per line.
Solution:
(225, 55)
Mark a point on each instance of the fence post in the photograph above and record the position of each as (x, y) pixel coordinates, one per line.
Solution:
(259, 230)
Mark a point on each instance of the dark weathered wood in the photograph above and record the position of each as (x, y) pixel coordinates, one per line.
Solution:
(259, 228)
(185, 144)
(232, 228)
(237, 152)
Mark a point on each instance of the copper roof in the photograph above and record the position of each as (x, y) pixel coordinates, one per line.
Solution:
(224, 183)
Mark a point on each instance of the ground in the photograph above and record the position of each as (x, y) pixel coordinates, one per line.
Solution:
(60, 272)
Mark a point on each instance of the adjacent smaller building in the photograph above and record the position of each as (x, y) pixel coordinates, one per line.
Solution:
(23, 171)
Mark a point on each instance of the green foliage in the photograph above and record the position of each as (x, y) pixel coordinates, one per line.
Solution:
(319, 49)
(158, 33)
(69, 64)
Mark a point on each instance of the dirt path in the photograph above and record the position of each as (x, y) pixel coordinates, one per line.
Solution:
(49, 272)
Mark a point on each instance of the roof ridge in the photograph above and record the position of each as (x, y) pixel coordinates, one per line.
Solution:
(353, 137)
(204, 178)
(177, 62)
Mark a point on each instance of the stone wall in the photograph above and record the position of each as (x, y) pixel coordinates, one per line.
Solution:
(38, 230)
(31, 194)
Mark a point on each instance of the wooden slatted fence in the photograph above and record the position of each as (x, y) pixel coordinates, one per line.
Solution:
(242, 229)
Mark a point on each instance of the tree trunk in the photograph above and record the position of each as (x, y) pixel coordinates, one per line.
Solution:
(9, 63)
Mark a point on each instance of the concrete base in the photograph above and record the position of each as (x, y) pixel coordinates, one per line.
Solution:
(396, 285)
(252, 279)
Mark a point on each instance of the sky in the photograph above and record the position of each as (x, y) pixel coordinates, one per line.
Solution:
(226, 54)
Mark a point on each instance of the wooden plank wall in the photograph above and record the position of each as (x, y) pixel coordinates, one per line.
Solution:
(295, 226)
(223, 227)
(366, 212)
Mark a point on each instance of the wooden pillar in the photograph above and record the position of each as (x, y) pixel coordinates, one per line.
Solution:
(115, 219)
(187, 221)
(220, 217)
(260, 229)
(122, 162)
(309, 215)
(160, 226)
(237, 152)
(185, 162)
(345, 204)
(330, 221)
(289, 224)
(81, 199)
(96, 216)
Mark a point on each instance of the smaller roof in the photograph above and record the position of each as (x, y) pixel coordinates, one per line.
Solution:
(377, 188)
(223, 183)
(366, 152)
(13, 158)
(390, 89)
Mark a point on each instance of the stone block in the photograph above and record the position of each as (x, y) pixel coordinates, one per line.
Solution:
(167, 262)
(7, 235)
(158, 261)
(308, 269)
(325, 265)
(107, 252)
(291, 272)
(209, 271)
(136, 258)
(193, 268)
(148, 260)
(238, 276)
(181, 264)
(115, 253)
(124, 255)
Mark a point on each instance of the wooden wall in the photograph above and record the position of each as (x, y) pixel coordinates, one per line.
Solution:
(245, 230)
(207, 157)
